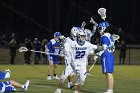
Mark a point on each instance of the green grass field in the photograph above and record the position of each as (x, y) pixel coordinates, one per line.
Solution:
(127, 79)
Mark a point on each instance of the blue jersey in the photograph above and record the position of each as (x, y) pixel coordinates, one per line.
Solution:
(53, 47)
(107, 57)
(108, 42)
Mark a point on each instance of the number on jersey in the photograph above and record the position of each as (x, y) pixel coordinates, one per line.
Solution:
(79, 54)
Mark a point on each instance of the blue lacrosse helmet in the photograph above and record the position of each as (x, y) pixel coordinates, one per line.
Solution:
(57, 34)
(103, 24)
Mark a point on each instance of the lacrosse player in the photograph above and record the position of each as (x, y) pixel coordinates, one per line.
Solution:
(68, 72)
(90, 32)
(80, 51)
(9, 86)
(53, 46)
(107, 57)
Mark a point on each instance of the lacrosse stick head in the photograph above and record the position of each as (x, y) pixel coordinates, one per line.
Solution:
(102, 13)
(116, 37)
(23, 49)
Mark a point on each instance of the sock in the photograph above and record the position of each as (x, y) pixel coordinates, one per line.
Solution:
(54, 74)
(23, 86)
(109, 90)
(71, 83)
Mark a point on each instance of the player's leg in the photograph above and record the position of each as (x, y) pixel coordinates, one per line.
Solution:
(63, 77)
(70, 81)
(108, 69)
(55, 72)
(16, 84)
(55, 64)
(50, 67)
(80, 79)
(70, 77)
(110, 81)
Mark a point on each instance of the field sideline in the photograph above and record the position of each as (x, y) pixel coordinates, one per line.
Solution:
(127, 79)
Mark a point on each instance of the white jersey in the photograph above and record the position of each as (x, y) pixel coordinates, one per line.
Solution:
(68, 49)
(80, 52)
(67, 56)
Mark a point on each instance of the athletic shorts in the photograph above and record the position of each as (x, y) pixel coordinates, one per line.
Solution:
(6, 87)
(67, 72)
(81, 78)
(53, 58)
(107, 63)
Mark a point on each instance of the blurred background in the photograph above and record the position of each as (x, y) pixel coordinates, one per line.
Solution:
(23, 19)
(41, 18)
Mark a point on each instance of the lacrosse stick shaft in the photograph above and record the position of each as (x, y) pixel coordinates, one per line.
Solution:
(24, 49)
(43, 52)
(37, 51)
(92, 66)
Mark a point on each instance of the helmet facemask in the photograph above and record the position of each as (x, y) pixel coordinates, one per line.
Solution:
(81, 37)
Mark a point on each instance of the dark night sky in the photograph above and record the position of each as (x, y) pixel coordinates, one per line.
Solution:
(40, 18)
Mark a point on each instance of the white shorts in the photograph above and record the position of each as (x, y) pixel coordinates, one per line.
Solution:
(68, 71)
(81, 78)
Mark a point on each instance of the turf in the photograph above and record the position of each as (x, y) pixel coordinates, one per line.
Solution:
(127, 79)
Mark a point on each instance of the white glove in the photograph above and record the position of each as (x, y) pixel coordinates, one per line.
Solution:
(61, 53)
(83, 25)
(46, 51)
(92, 21)
(95, 58)
(62, 37)
(7, 70)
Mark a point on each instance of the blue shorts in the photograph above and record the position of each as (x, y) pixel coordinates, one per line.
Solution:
(107, 62)
(2, 75)
(7, 86)
(53, 58)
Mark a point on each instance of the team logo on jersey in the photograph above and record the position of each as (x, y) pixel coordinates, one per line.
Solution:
(80, 48)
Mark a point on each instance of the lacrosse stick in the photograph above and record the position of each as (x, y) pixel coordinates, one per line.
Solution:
(102, 13)
(24, 49)
(91, 66)
(116, 37)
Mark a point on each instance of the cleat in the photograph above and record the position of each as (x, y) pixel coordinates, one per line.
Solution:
(26, 85)
(70, 85)
(75, 91)
(88, 75)
(58, 91)
(49, 78)
(56, 77)
(108, 91)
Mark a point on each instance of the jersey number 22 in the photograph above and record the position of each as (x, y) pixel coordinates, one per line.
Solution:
(79, 54)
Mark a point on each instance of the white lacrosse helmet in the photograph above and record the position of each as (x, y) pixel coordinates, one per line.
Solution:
(74, 32)
(81, 36)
